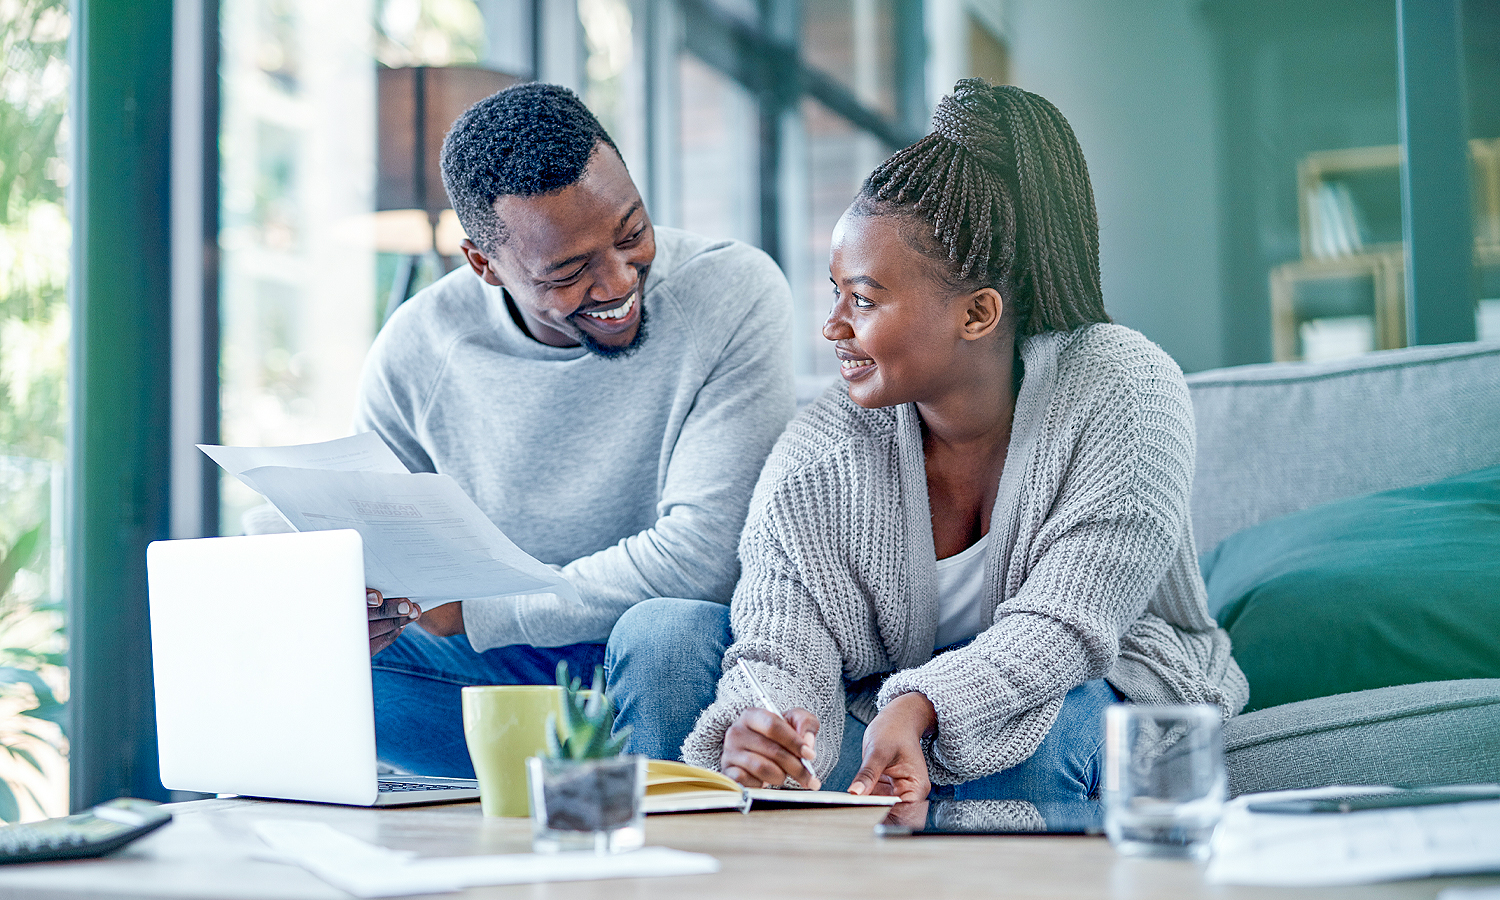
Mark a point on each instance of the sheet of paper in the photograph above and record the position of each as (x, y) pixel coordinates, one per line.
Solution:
(423, 537)
(192, 857)
(366, 870)
(349, 863)
(364, 452)
(1352, 848)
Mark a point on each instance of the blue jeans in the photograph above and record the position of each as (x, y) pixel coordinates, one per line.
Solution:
(673, 650)
(1062, 777)
(418, 682)
(663, 664)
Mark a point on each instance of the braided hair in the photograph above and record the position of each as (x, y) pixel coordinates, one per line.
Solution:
(1003, 191)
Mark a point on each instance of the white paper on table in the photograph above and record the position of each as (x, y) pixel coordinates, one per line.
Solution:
(363, 452)
(1352, 848)
(189, 858)
(367, 870)
(423, 537)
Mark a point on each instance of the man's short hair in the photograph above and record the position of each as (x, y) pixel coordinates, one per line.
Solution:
(526, 140)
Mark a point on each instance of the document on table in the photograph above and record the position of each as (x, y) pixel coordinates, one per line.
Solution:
(233, 857)
(367, 870)
(423, 537)
(1352, 848)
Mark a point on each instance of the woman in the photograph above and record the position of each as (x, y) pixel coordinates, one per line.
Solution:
(981, 538)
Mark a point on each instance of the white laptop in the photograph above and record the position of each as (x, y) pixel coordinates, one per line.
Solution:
(262, 666)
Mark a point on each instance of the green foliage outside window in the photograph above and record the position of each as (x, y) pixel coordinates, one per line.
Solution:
(34, 323)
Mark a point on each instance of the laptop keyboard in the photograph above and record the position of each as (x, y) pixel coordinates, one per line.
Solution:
(391, 786)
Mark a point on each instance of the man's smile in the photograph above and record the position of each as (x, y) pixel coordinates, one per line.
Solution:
(613, 329)
(605, 325)
(618, 312)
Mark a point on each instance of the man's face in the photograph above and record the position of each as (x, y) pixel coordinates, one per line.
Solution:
(575, 261)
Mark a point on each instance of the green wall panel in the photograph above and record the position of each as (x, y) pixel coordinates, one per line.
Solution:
(120, 370)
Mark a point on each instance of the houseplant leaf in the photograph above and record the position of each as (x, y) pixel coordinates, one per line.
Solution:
(20, 554)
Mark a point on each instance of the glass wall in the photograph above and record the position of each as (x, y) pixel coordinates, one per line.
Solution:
(34, 258)
(803, 99)
(719, 149)
(855, 42)
(1314, 201)
(839, 158)
(1481, 29)
(297, 168)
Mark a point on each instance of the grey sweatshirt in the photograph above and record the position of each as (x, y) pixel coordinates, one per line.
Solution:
(1091, 570)
(632, 475)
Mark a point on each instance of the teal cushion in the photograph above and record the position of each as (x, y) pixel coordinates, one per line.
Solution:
(1398, 587)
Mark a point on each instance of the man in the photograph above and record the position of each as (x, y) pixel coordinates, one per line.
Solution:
(605, 391)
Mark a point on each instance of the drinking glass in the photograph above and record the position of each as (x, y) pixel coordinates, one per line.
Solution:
(1164, 782)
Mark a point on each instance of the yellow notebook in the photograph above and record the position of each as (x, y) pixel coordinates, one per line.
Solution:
(678, 787)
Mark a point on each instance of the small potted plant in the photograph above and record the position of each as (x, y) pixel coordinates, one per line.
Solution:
(586, 795)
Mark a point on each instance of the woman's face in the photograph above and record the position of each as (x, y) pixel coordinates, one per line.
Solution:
(900, 334)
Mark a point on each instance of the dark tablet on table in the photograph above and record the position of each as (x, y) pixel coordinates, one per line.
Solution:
(998, 817)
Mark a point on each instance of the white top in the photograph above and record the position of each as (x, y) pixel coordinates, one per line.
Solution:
(961, 595)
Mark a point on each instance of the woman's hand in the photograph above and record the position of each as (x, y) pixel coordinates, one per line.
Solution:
(909, 815)
(387, 618)
(763, 749)
(893, 760)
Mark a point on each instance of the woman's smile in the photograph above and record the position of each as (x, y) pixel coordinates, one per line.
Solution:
(854, 365)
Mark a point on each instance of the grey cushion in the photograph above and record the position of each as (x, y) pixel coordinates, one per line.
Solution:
(1277, 438)
(1443, 732)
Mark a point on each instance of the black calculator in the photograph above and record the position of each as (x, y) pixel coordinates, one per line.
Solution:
(101, 830)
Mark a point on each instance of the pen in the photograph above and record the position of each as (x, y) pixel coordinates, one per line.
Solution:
(764, 700)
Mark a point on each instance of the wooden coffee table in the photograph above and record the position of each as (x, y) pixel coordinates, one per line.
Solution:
(767, 854)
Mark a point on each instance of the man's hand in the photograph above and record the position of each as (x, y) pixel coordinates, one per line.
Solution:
(893, 760)
(387, 618)
(762, 749)
(444, 621)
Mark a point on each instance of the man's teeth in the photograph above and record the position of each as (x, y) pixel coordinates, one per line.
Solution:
(617, 313)
(855, 363)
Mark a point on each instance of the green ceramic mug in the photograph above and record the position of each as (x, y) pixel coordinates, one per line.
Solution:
(503, 725)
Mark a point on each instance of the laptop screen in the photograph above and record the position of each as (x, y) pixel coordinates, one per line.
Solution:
(262, 666)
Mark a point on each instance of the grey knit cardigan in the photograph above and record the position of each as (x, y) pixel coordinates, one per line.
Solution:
(1091, 564)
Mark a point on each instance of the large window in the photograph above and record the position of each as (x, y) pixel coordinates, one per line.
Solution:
(801, 100)
(297, 163)
(718, 147)
(746, 120)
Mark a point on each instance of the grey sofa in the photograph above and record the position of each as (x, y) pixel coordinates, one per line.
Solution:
(1274, 439)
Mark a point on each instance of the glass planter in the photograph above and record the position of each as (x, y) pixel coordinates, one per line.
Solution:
(587, 804)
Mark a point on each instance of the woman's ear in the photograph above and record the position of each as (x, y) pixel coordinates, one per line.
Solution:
(983, 311)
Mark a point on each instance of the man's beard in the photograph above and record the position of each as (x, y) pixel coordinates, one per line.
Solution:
(608, 352)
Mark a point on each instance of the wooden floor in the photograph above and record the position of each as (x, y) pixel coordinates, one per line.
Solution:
(767, 854)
